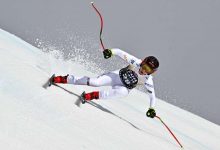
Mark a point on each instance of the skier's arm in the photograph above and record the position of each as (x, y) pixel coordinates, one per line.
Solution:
(150, 89)
(127, 57)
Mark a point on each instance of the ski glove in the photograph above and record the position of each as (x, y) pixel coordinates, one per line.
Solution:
(151, 113)
(107, 53)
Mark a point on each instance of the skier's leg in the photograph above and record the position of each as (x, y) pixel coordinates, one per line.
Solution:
(109, 79)
(77, 80)
(115, 92)
(98, 81)
(71, 79)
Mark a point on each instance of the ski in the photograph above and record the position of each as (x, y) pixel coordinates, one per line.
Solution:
(49, 82)
(82, 99)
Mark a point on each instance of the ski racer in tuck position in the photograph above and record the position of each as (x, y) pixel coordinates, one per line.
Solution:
(122, 81)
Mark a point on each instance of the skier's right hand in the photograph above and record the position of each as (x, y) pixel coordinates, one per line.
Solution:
(107, 53)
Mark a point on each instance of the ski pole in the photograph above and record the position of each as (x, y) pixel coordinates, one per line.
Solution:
(101, 20)
(170, 132)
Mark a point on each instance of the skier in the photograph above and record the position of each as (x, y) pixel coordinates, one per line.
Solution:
(122, 81)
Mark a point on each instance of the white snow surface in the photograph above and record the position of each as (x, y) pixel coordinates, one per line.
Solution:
(35, 118)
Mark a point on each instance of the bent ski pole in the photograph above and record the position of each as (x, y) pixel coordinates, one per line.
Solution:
(101, 20)
(170, 131)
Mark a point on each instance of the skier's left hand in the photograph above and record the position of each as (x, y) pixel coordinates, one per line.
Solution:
(151, 113)
(107, 53)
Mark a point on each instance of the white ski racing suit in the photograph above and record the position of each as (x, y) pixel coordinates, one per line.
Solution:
(113, 79)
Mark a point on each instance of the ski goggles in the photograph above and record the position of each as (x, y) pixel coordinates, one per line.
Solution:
(147, 69)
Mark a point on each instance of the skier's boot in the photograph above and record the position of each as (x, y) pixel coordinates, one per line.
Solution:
(60, 79)
(89, 96)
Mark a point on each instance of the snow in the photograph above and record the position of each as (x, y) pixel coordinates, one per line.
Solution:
(32, 117)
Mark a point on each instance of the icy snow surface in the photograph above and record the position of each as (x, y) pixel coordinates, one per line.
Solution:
(34, 118)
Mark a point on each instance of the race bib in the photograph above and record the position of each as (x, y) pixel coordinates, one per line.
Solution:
(128, 77)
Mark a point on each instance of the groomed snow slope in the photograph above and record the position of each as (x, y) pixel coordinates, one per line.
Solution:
(34, 118)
